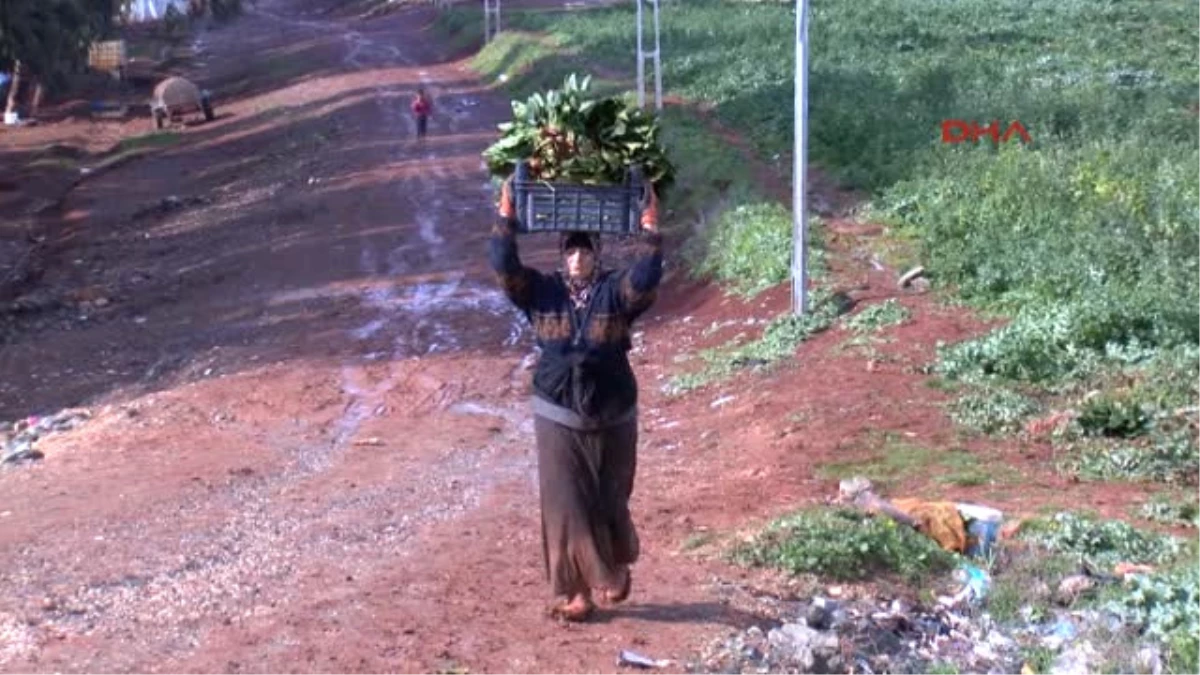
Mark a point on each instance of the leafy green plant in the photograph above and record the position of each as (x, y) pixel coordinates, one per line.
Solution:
(875, 318)
(993, 409)
(1174, 513)
(844, 544)
(1165, 456)
(738, 244)
(779, 341)
(1166, 607)
(1103, 543)
(565, 136)
(1113, 416)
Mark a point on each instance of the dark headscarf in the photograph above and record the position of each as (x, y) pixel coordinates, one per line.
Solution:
(581, 289)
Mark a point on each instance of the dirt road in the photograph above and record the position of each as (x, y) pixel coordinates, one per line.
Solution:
(315, 453)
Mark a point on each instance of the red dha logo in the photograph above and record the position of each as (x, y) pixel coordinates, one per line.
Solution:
(958, 131)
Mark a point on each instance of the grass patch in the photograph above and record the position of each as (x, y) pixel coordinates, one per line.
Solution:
(877, 317)
(698, 540)
(1162, 457)
(894, 461)
(1129, 417)
(736, 244)
(897, 460)
(1171, 512)
(845, 545)
(779, 341)
(151, 141)
(60, 163)
(749, 247)
(1138, 422)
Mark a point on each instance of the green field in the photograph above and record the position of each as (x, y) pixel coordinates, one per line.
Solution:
(1088, 238)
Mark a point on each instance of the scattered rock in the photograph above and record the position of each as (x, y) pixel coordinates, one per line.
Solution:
(40, 300)
(22, 453)
(721, 401)
(168, 205)
(1073, 661)
(911, 275)
(808, 649)
(1072, 587)
(20, 444)
(820, 614)
(1148, 661)
(630, 658)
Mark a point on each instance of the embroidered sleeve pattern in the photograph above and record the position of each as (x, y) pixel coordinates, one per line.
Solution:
(639, 283)
(518, 281)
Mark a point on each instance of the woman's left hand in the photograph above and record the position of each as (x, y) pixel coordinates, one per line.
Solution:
(650, 213)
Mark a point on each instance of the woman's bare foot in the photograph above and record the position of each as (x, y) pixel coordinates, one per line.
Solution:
(577, 608)
(614, 596)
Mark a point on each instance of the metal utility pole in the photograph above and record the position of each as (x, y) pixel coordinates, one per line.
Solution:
(642, 55)
(800, 162)
(491, 19)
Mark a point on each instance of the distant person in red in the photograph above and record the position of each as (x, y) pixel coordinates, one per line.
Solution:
(421, 107)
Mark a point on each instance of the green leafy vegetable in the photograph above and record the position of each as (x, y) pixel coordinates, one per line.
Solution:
(566, 136)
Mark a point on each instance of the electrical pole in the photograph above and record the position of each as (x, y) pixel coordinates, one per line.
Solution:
(800, 162)
(491, 19)
(642, 55)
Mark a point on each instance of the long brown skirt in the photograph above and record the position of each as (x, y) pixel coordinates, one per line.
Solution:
(586, 478)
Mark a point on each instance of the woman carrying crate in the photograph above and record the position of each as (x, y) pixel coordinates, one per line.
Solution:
(584, 404)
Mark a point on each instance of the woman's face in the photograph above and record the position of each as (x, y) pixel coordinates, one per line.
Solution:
(580, 262)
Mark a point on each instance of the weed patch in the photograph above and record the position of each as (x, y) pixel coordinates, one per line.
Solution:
(1171, 512)
(1166, 608)
(158, 139)
(1023, 583)
(875, 318)
(896, 461)
(1164, 457)
(738, 241)
(779, 341)
(845, 545)
(1101, 543)
(991, 410)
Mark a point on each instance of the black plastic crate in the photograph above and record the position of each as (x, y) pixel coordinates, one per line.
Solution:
(570, 207)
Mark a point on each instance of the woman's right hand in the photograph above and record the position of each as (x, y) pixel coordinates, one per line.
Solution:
(507, 208)
(650, 213)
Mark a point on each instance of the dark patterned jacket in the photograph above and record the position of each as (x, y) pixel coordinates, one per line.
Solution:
(584, 365)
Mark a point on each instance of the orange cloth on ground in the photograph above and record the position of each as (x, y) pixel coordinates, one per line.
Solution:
(940, 521)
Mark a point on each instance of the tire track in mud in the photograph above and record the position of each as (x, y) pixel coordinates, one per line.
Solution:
(255, 542)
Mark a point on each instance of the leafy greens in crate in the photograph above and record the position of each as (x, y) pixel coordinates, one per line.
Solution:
(567, 137)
